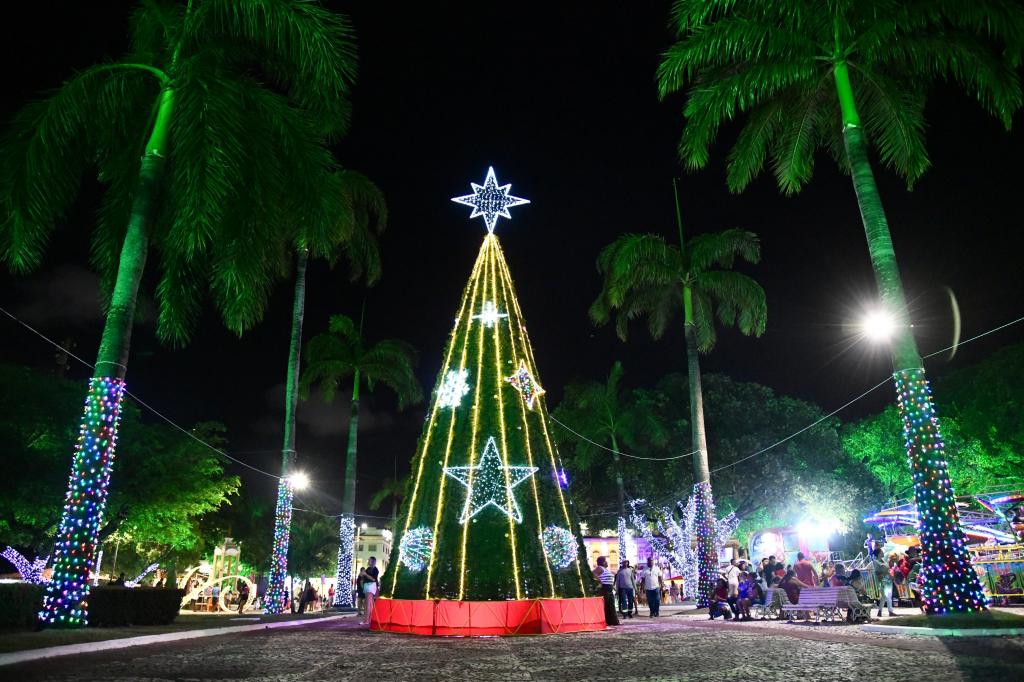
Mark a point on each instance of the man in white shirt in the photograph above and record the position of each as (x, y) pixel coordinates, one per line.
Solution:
(652, 586)
(732, 576)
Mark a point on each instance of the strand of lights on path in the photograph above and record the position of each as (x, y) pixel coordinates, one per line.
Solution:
(30, 572)
(66, 600)
(343, 572)
(277, 592)
(551, 417)
(949, 582)
(138, 579)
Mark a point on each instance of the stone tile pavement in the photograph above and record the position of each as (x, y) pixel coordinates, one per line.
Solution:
(669, 648)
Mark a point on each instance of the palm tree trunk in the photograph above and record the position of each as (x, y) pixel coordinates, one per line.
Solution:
(276, 590)
(707, 557)
(65, 601)
(620, 487)
(949, 582)
(346, 526)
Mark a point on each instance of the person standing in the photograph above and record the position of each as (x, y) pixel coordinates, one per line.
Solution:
(370, 588)
(805, 571)
(884, 580)
(624, 586)
(243, 596)
(652, 587)
(732, 579)
(607, 580)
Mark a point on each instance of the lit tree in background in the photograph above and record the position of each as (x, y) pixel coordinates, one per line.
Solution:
(841, 75)
(333, 358)
(644, 275)
(216, 102)
(361, 214)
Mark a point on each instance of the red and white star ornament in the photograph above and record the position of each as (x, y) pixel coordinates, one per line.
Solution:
(524, 382)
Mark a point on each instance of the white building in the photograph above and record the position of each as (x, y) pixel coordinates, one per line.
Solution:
(372, 542)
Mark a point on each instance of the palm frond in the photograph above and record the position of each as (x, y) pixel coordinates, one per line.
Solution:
(738, 300)
(345, 328)
(48, 148)
(721, 249)
(893, 116)
(314, 46)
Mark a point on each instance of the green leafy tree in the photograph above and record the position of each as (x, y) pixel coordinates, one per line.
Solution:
(644, 275)
(611, 416)
(168, 481)
(975, 464)
(209, 137)
(842, 75)
(313, 547)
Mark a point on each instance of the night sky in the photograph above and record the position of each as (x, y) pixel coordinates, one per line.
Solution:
(560, 98)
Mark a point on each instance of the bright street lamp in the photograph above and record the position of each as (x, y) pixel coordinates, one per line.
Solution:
(299, 480)
(878, 325)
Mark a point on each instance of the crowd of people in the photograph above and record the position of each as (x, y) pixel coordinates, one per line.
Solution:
(742, 584)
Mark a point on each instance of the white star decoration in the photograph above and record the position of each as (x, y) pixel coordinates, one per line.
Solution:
(490, 483)
(453, 388)
(489, 315)
(490, 200)
(524, 382)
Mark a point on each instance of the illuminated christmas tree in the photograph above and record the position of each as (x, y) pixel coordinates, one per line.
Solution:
(487, 518)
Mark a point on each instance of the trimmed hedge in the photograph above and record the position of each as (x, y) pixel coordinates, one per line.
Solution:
(135, 606)
(19, 604)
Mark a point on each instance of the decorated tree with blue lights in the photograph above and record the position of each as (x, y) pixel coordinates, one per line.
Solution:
(487, 516)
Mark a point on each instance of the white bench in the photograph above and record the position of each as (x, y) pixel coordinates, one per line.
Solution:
(827, 603)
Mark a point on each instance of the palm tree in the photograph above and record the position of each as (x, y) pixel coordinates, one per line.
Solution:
(352, 233)
(209, 140)
(840, 75)
(395, 489)
(609, 415)
(644, 275)
(335, 357)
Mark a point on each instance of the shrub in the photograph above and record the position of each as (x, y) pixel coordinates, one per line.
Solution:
(19, 604)
(137, 606)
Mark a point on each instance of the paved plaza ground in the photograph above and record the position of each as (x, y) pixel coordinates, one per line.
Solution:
(674, 647)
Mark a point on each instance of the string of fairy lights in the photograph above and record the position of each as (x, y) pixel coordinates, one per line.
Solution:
(243, 463)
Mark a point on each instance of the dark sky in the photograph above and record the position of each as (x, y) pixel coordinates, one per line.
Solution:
(560, 99)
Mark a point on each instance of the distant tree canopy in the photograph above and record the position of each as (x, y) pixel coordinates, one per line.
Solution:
(981, 426)
(166, 481)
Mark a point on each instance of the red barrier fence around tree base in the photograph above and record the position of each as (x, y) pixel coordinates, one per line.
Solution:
(443, 617)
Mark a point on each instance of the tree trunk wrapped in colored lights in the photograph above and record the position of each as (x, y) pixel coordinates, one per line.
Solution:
(277, 589)
(948, 580)
(66, 598)
(486, 520)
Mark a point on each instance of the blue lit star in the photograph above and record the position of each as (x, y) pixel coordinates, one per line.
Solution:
(490, 200)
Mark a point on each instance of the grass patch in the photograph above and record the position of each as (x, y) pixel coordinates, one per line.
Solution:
(960, 621)
(20, 640)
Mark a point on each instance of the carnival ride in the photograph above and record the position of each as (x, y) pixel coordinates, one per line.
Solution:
(994, 517)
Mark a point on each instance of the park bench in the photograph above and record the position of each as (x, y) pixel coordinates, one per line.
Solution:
(827, 603)
(774, 599)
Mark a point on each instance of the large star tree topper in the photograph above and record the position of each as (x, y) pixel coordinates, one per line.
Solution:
(490, 200)
(490, 483)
